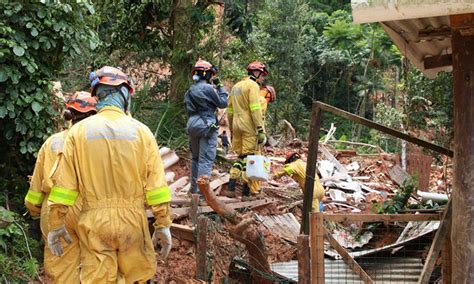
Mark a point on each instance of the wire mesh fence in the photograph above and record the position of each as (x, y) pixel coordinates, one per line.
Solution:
(375, 251)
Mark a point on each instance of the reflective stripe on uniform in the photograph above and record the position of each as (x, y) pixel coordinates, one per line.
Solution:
(255, 106)
(34, 197)
(63, 195)
(230, 110)
(288, 170)
(158, 196)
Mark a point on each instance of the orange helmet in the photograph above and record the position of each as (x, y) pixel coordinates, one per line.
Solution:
(110, 76)
(290, 156)
(257, 65)
(82, 102)
(270, 93)
(203, 65)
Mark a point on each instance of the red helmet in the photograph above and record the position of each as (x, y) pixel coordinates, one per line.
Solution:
(290, 156)
(257, 65)
(270, 93)
(203, 65)
(82, 102)
(110, 76)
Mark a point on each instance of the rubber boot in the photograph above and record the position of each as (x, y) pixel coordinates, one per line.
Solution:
(230, 191)
(246, 196)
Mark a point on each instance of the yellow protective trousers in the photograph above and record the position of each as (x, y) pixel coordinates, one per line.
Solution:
(238, 172)
(115, 242)
(64, 268)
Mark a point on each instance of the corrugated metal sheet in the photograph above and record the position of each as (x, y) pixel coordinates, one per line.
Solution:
(382, 270)
(285, 225)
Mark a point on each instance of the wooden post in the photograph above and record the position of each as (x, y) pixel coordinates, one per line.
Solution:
(435, 248)
(201, 249)
(304, 264)
(462, 237)
(193, 212)
(446, 258)
(311, 166)
(317, 248)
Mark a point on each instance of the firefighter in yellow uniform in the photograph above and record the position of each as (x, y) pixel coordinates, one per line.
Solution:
(296, 169)
(113, 162)
(267, 95)
(244, 112)
(64, 269)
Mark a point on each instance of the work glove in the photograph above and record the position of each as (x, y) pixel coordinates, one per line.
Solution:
(162, 237)
(217, 82)
(262, 137)
(54, 240)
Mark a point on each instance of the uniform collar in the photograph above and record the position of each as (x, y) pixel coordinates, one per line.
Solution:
(111, 108)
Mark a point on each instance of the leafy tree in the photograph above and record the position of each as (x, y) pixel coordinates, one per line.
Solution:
(36, 37)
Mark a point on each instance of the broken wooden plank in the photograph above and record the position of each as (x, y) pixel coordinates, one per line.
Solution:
(380, 217)
(193, 211)
(181, 182)
(347, 258)
(201, 249)
(436, 246)
(182, 232)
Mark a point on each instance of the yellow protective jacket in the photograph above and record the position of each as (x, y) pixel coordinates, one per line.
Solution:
(297, 171)
(264, 102)
(114, 162)
(244, 109)
(41, 182)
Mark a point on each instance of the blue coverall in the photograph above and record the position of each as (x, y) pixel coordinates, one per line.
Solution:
(202, 101)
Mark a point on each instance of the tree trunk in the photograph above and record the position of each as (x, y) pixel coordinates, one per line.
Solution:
(182, 42)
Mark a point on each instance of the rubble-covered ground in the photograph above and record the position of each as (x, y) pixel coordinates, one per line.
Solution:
(358, 184)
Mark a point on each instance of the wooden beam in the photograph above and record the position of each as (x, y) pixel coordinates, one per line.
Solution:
(446, 259)
(348, 258)
(380, 217)
(304, 264)
(201, 249)
(384, 129)
(313, 139)
(438, 61)
(182, 232)
(436, 246)
(317, 248)
(435, 33)
(182, 212)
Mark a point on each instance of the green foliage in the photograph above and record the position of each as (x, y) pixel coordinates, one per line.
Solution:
(166, 120)
(17, 263)
(35, 38)
(390, 117)
(399, 201)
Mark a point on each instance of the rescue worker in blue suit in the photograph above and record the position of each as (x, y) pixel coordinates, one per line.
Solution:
(202, 100)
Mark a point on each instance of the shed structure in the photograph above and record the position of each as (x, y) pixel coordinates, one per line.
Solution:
(438, 35)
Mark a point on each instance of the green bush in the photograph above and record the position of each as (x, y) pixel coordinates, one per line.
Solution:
(17, 251)
(36, 35)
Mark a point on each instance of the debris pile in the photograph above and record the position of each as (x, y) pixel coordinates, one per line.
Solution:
(354, 183)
